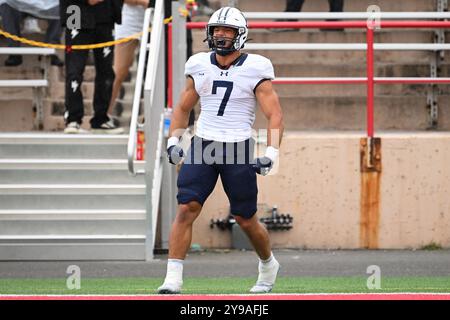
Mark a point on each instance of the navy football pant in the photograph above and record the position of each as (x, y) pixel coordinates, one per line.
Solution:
(206, 160)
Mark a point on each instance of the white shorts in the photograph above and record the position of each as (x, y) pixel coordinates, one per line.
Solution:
(132, 21)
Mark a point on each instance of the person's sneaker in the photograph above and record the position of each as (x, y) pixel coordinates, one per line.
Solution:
(74, 127)
(266, 278)
(13, 60)
(170, 288)
(55, 61)
(114, 120)
(107, 127)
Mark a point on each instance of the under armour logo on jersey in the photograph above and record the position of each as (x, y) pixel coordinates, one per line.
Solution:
(106, 51)
(74, 33)
(224, 73)
(74, 85)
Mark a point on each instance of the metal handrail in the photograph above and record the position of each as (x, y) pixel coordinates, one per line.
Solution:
(370, 81)
(346, 15)
(359, 80)
(152, 65)
(27, 51)
(353, 24)
(134, 125)
(349, 46)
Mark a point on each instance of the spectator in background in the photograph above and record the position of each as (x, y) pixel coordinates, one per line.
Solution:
(15, 11)
(204, 8)
(97, 25)
(296, 6)
(132, 22)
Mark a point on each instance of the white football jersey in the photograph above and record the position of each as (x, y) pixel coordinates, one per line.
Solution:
(227, 96)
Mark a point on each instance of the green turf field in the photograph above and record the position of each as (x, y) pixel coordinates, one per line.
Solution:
(225, 285)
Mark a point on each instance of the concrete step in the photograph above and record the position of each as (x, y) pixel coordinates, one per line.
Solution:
(349, 113)
(67, 164)
(21, 72)
(344, 70)
(349, 5)
(72, 249)
(15, 93)
(58, 106)
(61, 146)
(31, 63)
(34, 175)
(17, 114)
(350, 36)
(57, 124)
(59, 74)
(334, 91)
(72, 227)
(70, 201)
(63, 215)
(59, 152)
(54, 114)
(58, 139)
(57, 90)
(316, 36)
(72, 189)
(339, 57)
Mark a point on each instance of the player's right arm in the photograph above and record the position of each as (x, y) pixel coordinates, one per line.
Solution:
(180, 116)
(180, 120)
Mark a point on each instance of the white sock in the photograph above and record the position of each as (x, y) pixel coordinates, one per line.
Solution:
(174, 271)
(268, 262)
(267, 272)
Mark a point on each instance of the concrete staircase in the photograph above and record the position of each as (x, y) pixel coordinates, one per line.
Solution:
(343, 107)
(68, 197)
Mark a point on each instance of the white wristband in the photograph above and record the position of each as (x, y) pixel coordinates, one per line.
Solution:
(173, 141)
(272, 153)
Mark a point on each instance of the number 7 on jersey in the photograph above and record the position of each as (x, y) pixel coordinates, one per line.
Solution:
(229, 87)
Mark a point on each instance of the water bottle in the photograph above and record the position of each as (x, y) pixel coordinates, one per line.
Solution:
(167, 118)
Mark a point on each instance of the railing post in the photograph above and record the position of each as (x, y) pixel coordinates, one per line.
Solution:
(170, 63)
(154, 102)
(370, 82)
(370, 160)
(176, 80)
(179, 46)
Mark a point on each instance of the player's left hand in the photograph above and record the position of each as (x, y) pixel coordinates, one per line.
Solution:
(263, 165)
(175, 154)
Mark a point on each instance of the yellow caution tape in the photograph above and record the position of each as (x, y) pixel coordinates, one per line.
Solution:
(77, 46)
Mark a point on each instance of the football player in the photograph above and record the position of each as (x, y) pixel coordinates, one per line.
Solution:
(229, 83)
